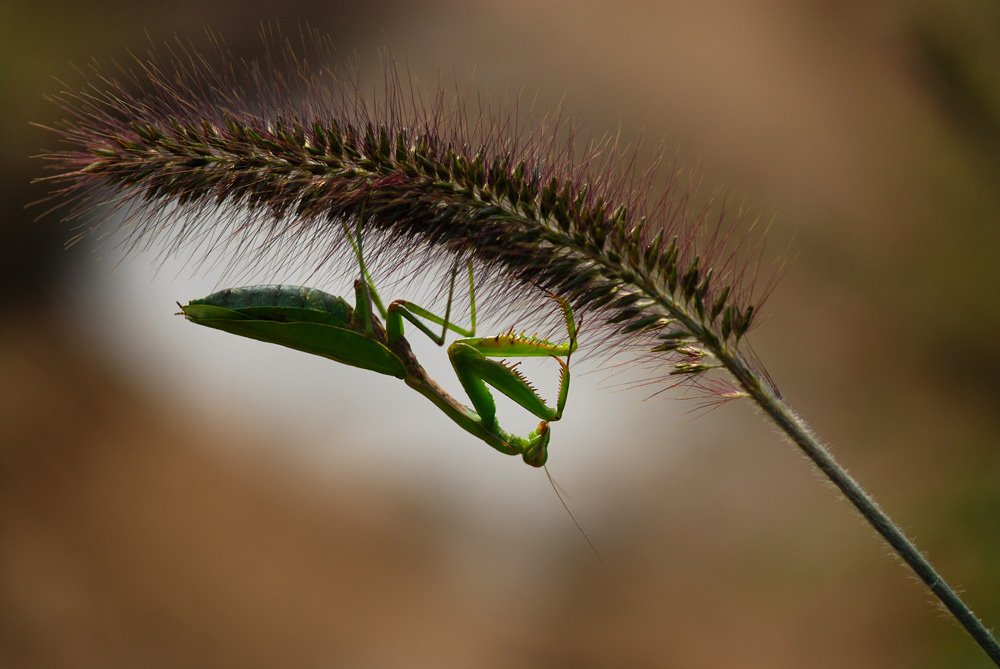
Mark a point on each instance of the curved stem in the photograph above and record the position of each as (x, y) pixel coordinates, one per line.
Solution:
(796, 430)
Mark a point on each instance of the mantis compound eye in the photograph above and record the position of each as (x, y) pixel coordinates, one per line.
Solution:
(538, 450)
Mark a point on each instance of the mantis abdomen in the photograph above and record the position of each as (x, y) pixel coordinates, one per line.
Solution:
(278, 295)
(305, 319)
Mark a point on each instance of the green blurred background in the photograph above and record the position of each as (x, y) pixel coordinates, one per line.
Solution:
(171, 498)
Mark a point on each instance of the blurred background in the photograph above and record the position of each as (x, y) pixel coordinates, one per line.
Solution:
(173, 497)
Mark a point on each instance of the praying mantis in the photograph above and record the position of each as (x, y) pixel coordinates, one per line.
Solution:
(316, 322)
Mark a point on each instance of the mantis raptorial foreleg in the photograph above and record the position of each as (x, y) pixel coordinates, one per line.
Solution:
(475, 369)
(471, 357)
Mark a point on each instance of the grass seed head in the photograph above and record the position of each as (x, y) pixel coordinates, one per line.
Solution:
(285, 165)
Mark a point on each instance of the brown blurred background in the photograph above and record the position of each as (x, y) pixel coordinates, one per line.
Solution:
(173, 499)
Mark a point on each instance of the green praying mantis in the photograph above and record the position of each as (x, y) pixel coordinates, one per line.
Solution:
(316, 322)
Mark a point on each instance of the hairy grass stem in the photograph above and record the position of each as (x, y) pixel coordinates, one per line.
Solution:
(288, 154)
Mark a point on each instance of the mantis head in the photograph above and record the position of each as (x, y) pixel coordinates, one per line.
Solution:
(537, 451)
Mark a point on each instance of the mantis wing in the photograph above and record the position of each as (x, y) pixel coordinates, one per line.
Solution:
(287, 326)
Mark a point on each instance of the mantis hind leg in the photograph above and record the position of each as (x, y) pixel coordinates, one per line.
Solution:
(364, 288)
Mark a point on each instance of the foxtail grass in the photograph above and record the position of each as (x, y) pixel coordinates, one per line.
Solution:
(272, 159)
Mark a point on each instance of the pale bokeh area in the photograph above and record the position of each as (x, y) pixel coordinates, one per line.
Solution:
(172, 496)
